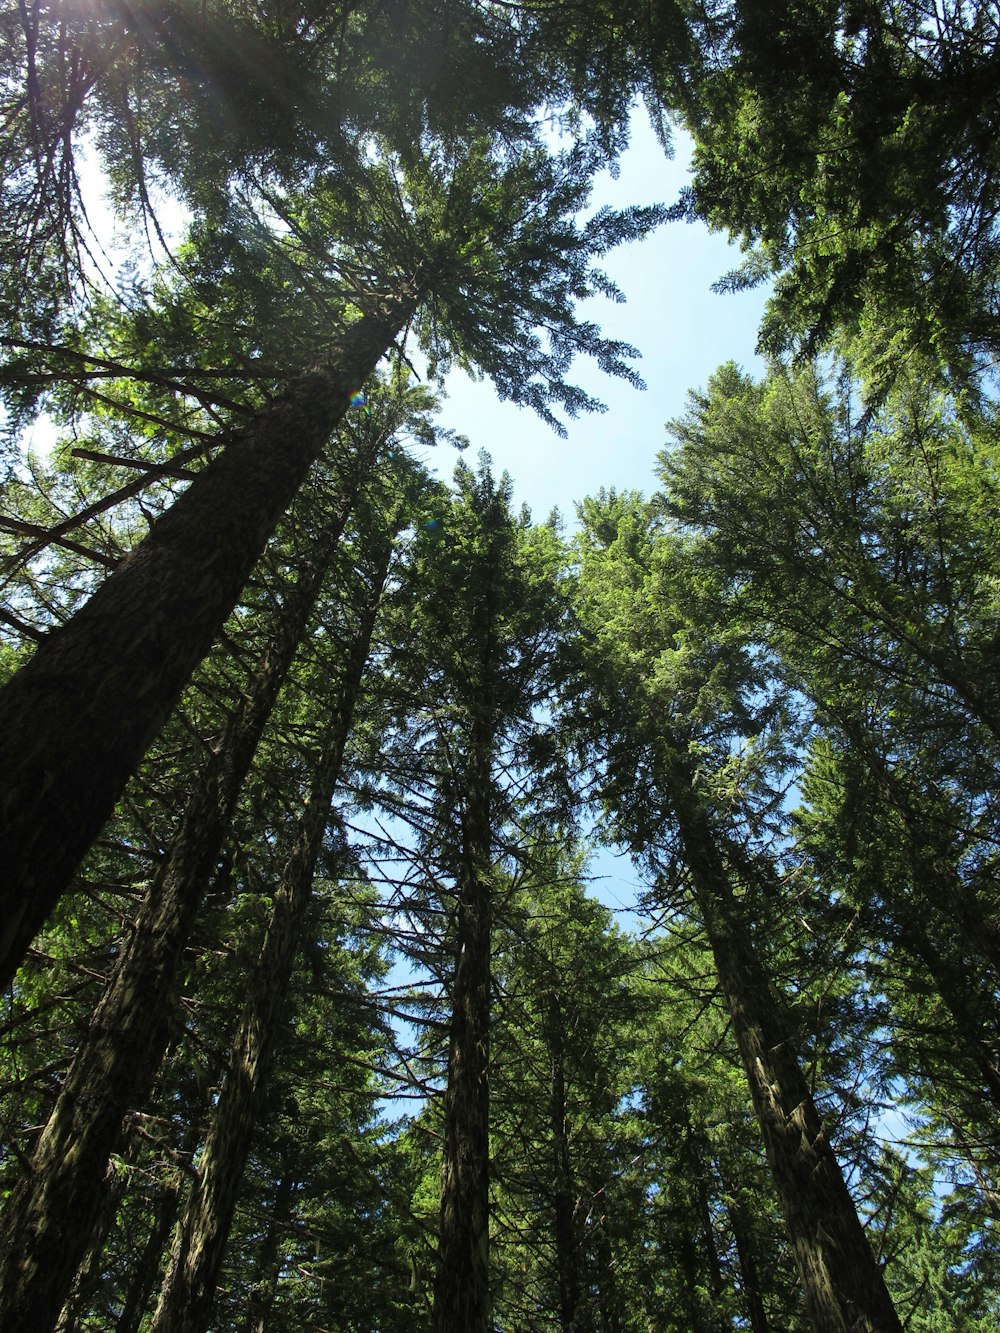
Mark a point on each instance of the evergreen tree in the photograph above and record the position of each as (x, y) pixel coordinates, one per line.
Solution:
(642, 632)
(479, 231)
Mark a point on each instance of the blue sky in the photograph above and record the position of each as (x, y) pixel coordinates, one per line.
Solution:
(683, 329)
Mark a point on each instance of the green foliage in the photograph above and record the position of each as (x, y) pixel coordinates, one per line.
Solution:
(804, 625)
(851, 149)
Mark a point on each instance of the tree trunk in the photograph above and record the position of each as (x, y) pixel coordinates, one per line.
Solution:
(89, 1275)
(699, 1252)
(77, 718)
(749, 1275)
(844, 1288)
(48, 1222)
(461, 1281)
(567, 1248)
(265, 1289)
(933, 866)
(200, 1240)
(142, 1280)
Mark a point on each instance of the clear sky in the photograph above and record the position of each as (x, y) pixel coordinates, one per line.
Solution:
(683, 329)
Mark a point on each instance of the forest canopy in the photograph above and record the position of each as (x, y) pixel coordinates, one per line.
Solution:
(315, 1016)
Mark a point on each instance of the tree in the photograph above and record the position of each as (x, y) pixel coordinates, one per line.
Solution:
(639, 619)
(472, 634)
(476, 225)
(199, 1242)
(860, 550)
(850, 149)
(204, 101)
(567, 1022)
(116, 1062)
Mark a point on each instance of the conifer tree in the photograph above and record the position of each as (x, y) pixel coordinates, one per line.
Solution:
(657, 672)
(484, 231)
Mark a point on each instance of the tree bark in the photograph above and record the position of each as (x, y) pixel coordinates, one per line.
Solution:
(48, 1222)
(461, 1284)
(564, 1206)
(461, 1280)
(200, 1240)
(843, 1285)
(77, 718)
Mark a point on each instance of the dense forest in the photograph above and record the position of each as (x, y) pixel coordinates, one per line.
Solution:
(313, 1019)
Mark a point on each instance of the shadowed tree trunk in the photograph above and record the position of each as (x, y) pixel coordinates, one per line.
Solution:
(749, 1276)
(142, 1280)
(49, 1220)
(77, 718)
(461, 1284)
(265, 1289)
(844, 1288)
(567, 1246)
(200, 1240)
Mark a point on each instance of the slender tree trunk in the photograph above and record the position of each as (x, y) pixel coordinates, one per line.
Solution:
(89, 1274)
(461, 1282)
(200, 1240)
(844, 1288)
(933, 868)
(142, 1279)
(701, 1260)
(265, 1289)
(77, 718)
(47, 1223)
(750, 1285)
(749, 1276)
(970, 1030)
(608, 1293)
(567, 1248)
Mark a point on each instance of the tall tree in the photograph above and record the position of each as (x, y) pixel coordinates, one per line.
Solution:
(474, 632)
(45, 1228)
(678, 693)
(850, 148)
(199, 1243)
(483, 231)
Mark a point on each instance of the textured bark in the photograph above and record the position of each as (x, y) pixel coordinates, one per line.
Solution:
(48, 1222)
(200, 1240)
(843, 1285)
(77, 718)
(461, 1284)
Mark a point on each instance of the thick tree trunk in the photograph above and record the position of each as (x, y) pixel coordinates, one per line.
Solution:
(461, 1284)
(48, 1222)
(844, 1288)
(200, 1240)
(77, 718)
